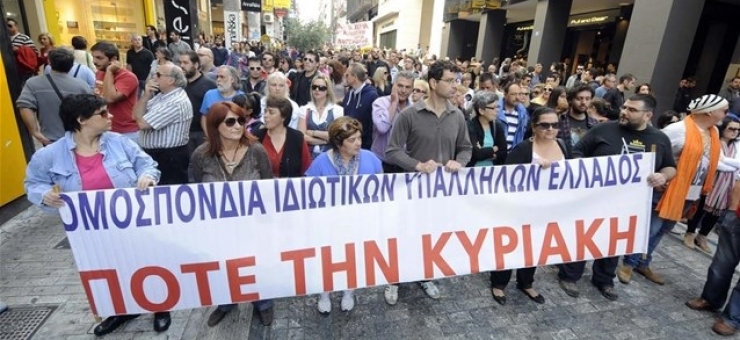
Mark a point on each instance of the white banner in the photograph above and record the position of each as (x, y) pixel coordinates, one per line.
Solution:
(188, 246)
(232, 28)
(355, 35)
(254, 21)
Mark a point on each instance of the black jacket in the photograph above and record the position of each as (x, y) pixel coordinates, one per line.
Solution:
(291, 163)
(477, 135)
(300, 87)
(522, 152)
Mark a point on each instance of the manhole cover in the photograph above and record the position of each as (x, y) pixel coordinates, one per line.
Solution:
(63, 244)
(21, 323)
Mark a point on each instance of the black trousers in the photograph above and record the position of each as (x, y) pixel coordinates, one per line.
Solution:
(524, 278)
(604, 271)
(702, 217)
(173, 163)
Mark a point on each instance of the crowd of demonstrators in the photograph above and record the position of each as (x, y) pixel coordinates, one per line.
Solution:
(244, 112)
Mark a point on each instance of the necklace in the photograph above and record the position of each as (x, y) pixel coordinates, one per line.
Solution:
(231, 163)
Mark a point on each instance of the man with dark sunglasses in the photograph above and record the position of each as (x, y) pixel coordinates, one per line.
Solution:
(268, 64)
(300, 82)
(254, 83)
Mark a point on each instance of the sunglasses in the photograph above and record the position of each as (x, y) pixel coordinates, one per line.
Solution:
(103, 113)
(231, 121)
(320, 88)
(547, 126)
(258, 68)
(420, 91)
(547, 89)
(309, 60)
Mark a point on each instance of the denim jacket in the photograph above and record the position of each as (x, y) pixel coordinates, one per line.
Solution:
(124, 161)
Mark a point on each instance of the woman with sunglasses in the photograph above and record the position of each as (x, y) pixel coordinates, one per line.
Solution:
(90, 157)
(229, 154)
(286, 66)
(714, 204)
(344, 158)
(420, 91)
(380, 81)
(543, 148)
(314, 118)
(542, 96)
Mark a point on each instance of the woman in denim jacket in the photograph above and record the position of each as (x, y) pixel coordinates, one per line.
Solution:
(89, 157)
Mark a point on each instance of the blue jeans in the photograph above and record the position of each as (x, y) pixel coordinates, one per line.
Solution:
(719, 275)
(658, 227)
(259, 305)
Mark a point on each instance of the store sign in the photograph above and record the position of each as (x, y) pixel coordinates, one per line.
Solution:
(181, 16)
(251, 5)
(525, 28)
(593, 18)
(232, 27)
(282, 3)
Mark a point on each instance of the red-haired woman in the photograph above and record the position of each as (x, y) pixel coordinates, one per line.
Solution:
(230, 155)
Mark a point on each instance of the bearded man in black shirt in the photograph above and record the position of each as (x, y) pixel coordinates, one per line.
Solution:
(631, 133)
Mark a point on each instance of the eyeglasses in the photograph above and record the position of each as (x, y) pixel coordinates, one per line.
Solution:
(733, 129)
(491, 108)
(103, 113)
(547, 126)
(548, 89)
(420, 91)
(309, 60)
(536, 93)
(319, 88)
(253, 68)
(524, 94)
(631, 109)
(231, 121)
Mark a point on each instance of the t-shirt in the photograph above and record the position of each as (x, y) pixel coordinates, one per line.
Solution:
(92, 172)
(39, 96)
(126, 83)
(140, 62)
(487, 143)
(213, 96)
(610, 138)
(578, 128)
(196, 91)
(677, 135)
(78, 71)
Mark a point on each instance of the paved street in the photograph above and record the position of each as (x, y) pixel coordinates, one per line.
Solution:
(33, 273)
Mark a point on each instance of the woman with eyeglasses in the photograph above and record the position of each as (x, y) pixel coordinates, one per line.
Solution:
(714, 204)
(251, 104)
(344, 158)
(314, 118)
(90, 157)
(229, 154)
(420, 91)
(543, 148)
(380, 81)
(486, 134)
(286, 147)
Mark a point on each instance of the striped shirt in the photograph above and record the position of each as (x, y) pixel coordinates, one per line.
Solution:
(169, 115)
(512, 119)
(21, 39)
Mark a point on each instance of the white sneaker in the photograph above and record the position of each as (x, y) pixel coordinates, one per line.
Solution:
(348, 300)
(391, 294)
(324, 304)
(431, 290)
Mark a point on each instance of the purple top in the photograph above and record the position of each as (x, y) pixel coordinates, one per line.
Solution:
(382, 125)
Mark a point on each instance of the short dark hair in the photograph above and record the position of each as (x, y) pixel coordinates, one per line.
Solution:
(192, 55)
(76, 106)
(9, 19)
(575, 90)
(539, 112)
(110, 50)
(61, 59)
(166, 53)
(437, 69)
(151, 27)
(79, 42)
(249, 101)
(176, 32)
(626, 76)
(313, 53)
(508, 86)
(341, 129)
(283, 105)
(254, 60)
(267, 53)
(648, 102)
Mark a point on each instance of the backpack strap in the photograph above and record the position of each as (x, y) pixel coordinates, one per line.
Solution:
(54, 85)
(77, 71)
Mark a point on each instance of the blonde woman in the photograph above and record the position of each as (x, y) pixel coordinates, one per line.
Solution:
(47, 43)
(277, 87)
(420, 91)
(380, 79)
(316, 116)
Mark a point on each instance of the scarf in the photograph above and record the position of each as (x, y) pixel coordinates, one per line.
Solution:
(671, 204)
(343, 170)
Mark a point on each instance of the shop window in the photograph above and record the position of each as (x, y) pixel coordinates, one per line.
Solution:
(388, 39)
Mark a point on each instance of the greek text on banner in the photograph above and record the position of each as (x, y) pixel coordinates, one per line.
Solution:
(188, 246)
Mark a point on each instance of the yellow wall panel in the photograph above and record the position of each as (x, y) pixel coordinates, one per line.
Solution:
(12, 159)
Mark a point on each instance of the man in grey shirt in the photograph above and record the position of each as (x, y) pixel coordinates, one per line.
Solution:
(177, 46)
(39, 101)
(429, 134)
